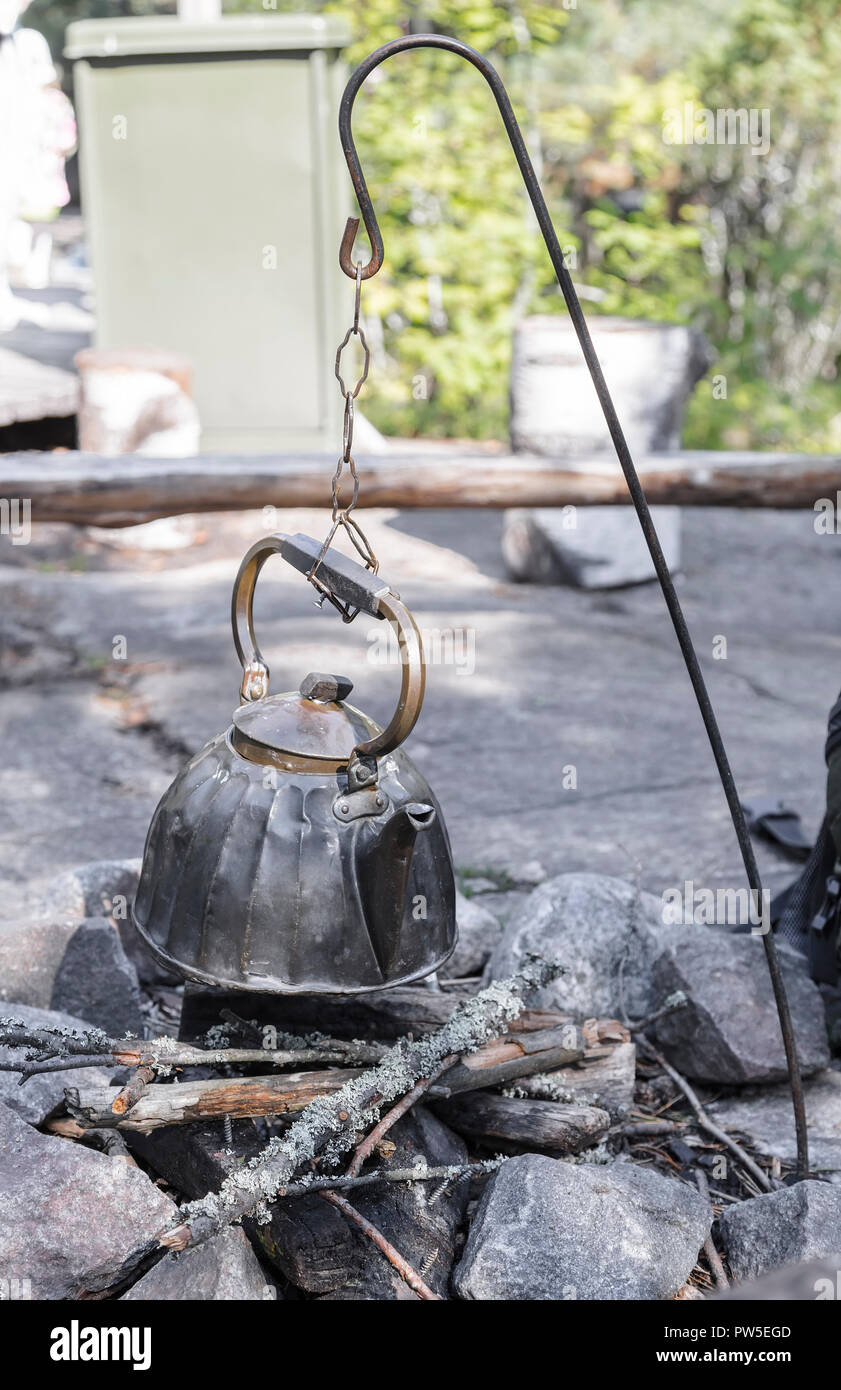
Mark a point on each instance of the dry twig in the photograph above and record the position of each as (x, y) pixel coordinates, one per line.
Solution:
(404, 1269)
(713, 1257)
(446, 1175)
(704, 1120)
(362, 1151)
(329, 1123)
(370, 1142)
(136, 1087)
(61, 1050)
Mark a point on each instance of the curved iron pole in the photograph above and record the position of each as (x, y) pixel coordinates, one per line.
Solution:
(538, 202)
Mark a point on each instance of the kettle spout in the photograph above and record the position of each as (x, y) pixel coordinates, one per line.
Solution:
(384, 871)
(400, 832)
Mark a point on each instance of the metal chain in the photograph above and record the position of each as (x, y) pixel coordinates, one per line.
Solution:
(342, 515)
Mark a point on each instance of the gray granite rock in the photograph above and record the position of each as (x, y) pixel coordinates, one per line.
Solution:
(729, 1032)
(546, 1229)
(101, 888)
(43, 1094)
(31, 952)
(97, 981)
(478, 932)
(816, 1281)
(105, 888)
(586, 547)
(72, 1221)
(594, 925)
(789, 1226)
(223, 1269)
(32, 948)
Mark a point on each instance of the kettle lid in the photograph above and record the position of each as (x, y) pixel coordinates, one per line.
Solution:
(312, 722)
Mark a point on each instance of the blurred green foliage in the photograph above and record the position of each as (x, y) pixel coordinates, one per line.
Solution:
(739, 243)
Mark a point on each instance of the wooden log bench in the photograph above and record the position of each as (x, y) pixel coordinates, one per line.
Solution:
(125, 489)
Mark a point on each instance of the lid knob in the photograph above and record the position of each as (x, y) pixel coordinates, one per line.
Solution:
(319, 686)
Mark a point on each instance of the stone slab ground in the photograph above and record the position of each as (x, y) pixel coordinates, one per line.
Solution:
(542, 680)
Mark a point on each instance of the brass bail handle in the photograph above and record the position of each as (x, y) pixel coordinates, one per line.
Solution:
(352, 583)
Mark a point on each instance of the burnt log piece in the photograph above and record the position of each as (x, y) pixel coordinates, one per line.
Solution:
(314, 1246)
(196, 1159)
(604, 1078)
(385, 1014)
(307, 1239)
(509, 1126)
(494, 1064)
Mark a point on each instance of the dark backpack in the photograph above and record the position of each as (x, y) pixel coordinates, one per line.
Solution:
(807, 913)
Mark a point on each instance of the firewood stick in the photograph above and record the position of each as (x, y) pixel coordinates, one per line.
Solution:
(49, 1064)
(646, 1129)
(369, 1143)
(136, 1087)
(240, 1097)
(513, 1058)
(132, 1092)
(548, 1126)
(289, 1093)
(163, 1052)
(675, 1002)
(404, 1269)
(334, 1120)
(445, 1174)
(713, 1257)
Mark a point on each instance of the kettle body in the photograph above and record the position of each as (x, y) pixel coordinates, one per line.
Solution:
(301, 851)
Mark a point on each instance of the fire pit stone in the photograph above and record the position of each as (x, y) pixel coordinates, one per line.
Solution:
(547, 1229)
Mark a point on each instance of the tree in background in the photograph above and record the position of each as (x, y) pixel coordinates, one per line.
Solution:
(739, 243)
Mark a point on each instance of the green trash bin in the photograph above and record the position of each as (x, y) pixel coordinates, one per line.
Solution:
(214, 196)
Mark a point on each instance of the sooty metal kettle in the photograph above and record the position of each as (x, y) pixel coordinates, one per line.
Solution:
(301, 851)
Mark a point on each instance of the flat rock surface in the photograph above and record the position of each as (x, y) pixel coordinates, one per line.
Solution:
(789, 1226)
(42, 1094)
(538, 680)
(72, 1221)
(764, 1115)
(223, 1269)
(548, 1230)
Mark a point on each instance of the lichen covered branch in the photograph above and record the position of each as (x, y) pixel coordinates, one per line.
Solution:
(59, 1049)
(329, 1125)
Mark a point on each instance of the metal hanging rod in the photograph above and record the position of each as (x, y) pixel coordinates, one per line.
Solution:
(351, 269)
